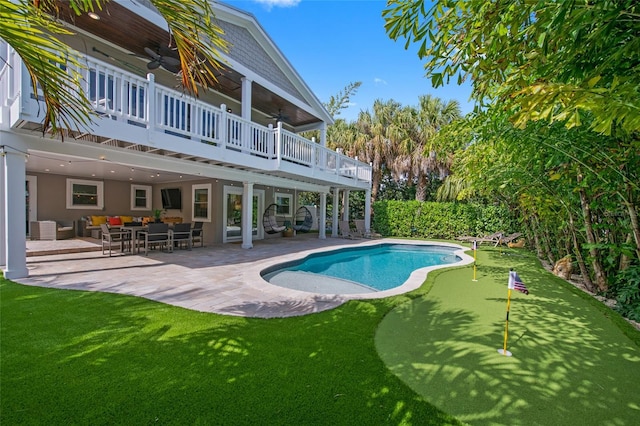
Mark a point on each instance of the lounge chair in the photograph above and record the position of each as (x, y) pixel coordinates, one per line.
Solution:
(508, 238)
(492, 238)
(345, 230)
(362, 232)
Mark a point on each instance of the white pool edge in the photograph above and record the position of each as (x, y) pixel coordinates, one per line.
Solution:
(415, 280)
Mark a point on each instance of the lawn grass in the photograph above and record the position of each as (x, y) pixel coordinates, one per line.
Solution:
(574, 360)
(72, 357)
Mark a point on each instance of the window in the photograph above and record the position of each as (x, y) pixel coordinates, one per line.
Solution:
(85, 194)
(284, 203)
(140, 197)
(201, 196)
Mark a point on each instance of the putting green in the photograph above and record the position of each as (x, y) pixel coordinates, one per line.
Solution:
(570, 363)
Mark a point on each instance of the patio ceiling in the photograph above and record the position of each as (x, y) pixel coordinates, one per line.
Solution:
(115, 25)
(58, 164)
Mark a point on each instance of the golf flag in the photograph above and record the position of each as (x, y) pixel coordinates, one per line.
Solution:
(475, 245)
(515, 283)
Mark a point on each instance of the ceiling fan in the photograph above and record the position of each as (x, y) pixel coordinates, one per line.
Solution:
(280, 116)
(169, 63)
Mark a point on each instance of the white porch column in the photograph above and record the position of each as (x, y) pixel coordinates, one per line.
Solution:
(336, 212)
(3, 219)
(367, 210)
(345, 205)
(13, 212)
(247, 216)
(322, 221)
(246, 98)
(323, 135)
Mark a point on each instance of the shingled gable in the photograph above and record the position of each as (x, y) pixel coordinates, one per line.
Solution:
(252, 51)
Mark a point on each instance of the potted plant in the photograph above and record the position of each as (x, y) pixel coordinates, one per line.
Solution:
(288, 232)
(157, 215)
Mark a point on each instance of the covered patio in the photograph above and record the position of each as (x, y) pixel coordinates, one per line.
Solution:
(219, 278)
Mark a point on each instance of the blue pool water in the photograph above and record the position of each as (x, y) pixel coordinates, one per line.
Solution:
(373, 268)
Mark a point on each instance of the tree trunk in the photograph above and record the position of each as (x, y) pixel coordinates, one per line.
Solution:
(376, 176)
(536, 239)
(600, 277)
(625, 261)
(635, 228)
(421, 188)
(577, 250)
(547, 247)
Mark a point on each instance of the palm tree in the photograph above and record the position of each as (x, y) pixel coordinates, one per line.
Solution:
(32, 30)
(373, 141)
(434, 157)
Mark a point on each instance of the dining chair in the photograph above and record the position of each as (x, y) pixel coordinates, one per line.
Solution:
(181, 233)
(155, 234)
(114, 238)
(197, 233)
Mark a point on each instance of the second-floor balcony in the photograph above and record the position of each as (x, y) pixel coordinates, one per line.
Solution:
(137, 113)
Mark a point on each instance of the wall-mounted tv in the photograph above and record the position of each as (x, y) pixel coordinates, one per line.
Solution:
(171, 198)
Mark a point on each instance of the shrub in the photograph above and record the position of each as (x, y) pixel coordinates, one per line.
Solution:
(439, 220)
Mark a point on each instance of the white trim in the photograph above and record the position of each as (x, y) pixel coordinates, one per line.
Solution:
(148, 194)
(99, 194)
(194, 188)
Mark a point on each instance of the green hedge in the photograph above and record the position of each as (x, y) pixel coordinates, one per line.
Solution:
(439, 220)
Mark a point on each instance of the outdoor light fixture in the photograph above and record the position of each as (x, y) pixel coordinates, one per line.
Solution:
(93, 15)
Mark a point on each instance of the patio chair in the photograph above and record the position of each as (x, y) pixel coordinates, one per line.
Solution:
(157, 234)
(182, 233)
(362, 232)
(303, 220)
(269, 221)
(197, 233)
(345, 230)
(114, 238)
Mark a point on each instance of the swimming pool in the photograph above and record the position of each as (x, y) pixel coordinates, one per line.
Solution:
(367, 269)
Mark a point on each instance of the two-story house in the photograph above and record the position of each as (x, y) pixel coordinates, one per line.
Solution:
(221, 158)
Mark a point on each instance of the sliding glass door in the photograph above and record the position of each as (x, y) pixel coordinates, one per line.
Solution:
(232, 213)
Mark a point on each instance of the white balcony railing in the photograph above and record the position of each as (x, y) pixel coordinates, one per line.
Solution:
(124, 97)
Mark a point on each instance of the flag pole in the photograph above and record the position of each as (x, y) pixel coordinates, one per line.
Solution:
(504, 350)
(475, 248)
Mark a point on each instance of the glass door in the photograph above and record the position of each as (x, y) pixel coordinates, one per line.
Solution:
(31, 201)
(232, 213)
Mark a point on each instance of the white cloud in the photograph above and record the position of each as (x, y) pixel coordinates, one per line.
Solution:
(378, 81)
(278, 3)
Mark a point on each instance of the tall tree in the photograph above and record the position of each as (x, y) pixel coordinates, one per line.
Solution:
(553, 60)
(373, 141)
(342, 99)
(31, 28)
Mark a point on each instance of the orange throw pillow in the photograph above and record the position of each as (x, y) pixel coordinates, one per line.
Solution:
(115, 221)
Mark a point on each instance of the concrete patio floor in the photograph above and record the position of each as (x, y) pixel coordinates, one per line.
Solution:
(222, 278)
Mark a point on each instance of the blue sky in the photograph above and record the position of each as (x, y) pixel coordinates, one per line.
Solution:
(332, 43)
